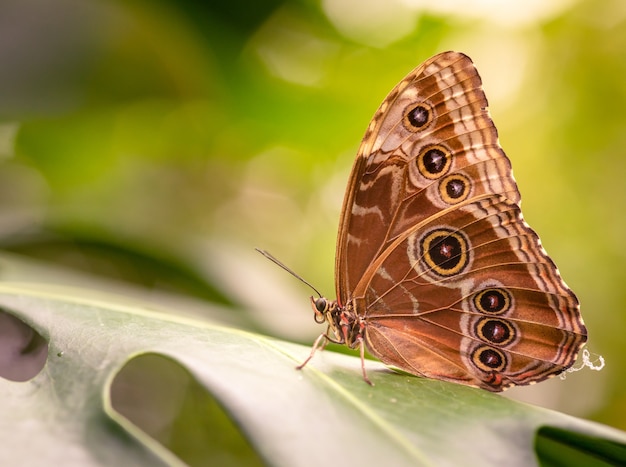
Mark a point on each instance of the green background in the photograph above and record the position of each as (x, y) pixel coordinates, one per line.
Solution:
(159, 142)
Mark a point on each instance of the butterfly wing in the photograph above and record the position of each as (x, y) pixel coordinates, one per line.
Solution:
(433, 251)
(399, 168)
(470, 296)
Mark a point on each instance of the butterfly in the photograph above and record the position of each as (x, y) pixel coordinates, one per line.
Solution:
(437, 273)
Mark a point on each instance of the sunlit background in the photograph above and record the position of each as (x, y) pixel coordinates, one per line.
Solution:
(159, 142)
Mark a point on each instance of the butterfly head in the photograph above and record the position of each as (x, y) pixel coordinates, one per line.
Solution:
(323, 309)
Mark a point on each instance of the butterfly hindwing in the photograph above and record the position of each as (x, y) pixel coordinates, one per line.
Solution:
(467, 284)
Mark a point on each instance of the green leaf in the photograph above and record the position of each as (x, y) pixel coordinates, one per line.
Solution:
(109, 363)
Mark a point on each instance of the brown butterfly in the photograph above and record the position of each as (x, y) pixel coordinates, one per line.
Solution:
(437, 273)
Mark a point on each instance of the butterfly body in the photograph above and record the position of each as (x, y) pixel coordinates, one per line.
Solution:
(437, 273)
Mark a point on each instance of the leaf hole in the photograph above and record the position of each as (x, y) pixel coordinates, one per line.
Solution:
(164, 400)
(560, 447)
(23, 351)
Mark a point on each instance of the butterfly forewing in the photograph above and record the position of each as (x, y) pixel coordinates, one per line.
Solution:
(433, 253)
(398, 173)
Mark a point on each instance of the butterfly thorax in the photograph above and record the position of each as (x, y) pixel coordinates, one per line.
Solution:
(346, 325)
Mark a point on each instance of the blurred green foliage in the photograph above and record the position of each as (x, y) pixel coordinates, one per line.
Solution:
(188, 133)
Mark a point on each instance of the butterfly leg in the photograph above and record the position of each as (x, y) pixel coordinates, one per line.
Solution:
(319, 344)
(362, 350)
(352, 328)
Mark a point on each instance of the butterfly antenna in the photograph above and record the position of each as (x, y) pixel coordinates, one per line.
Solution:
(278, 263)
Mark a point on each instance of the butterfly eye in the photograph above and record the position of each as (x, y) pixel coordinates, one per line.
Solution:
(417, 116)
(321, 304)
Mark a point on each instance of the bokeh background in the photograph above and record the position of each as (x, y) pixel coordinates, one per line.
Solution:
(158, 142)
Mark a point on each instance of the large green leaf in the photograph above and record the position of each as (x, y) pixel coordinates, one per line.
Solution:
(323, 414)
